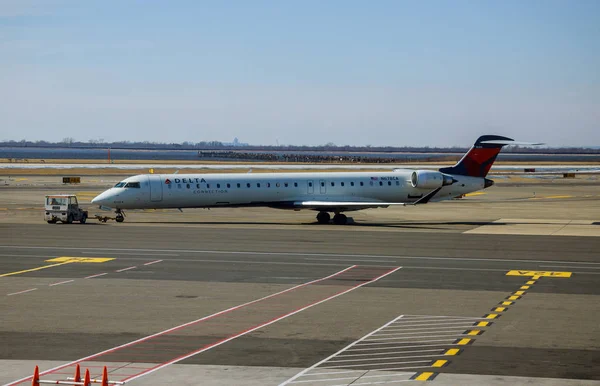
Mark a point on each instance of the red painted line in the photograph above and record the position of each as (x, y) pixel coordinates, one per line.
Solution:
(259, 326)
(153, 262)
(60, 367)
(22, 292)
(96, 275)
(126, 269)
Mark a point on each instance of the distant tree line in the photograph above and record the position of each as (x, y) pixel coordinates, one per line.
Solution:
(329, 147)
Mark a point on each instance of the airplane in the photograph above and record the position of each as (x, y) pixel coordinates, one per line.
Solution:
(324, 192)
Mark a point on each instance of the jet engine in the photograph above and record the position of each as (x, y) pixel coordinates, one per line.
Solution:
(429, 179)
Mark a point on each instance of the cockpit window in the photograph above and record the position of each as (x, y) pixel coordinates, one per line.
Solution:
(133, 185)
(120, 185)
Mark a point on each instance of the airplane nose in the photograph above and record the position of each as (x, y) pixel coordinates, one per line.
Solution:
(100, 199)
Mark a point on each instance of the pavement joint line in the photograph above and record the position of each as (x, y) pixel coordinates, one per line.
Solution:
(93, 356)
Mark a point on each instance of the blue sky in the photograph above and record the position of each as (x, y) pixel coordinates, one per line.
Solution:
(301, 72)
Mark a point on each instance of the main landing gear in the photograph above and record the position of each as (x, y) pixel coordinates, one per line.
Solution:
(338, 218)
(120, 216)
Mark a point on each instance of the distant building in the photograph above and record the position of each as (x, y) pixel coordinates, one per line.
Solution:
(236, 143)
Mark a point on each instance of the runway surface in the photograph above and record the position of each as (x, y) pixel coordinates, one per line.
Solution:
(496, 289)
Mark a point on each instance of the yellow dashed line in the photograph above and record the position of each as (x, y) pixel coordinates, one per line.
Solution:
(473, 332)
(439, 363)
(507, 303)
(536, 277)
(483, 324)
(537, 274)
(520, 293)
(499, 309)
(463, 341)
(514, 297)
(530, 282)
(424, 376)
(491, 316)
(69, 259)
(524, 287)
(452, 351)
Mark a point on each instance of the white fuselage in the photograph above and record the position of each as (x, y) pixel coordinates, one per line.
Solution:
(278, 190)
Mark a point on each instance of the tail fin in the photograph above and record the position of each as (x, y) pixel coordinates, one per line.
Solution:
(479, 159)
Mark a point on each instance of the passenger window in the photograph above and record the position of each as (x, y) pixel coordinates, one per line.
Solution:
(248, 184)
(309, 184)
(197, 186)
(258, 185)
(207, 186)
(228, 186)
(187, 186)
(285, 184)
(277, 184)
(362, 183)
(268, 184)
(296, 184)
(332, 183)
(218, 186)
(342, 184)
(239, 185)
(322, 184)
(389, 183)
(380, 183)
(351, 183)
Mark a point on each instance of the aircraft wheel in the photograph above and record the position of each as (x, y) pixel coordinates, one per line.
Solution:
(120, 217)
(323, 217)
(340, 219)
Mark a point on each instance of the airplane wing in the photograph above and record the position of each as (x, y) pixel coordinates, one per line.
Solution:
(357, 205)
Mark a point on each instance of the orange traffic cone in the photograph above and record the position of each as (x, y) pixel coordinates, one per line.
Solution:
(77, 377)
(35, 381)
(105, 377)
(87, 381)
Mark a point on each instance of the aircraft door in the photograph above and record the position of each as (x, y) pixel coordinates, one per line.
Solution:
(156, 188)
(310, 185)
(323, 186)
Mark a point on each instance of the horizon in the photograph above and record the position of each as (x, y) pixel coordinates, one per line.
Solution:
(391, 73)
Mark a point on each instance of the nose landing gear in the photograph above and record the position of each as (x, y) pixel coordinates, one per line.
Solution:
(120, 216)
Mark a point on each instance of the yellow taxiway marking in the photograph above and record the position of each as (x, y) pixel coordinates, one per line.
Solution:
(474, 194)
(464, 341)
(558, 196)
(439, 363)
(491, 316)
(499, 309)
(34, 269)
(507, 303)
(524, 287)
(483, 324)
(520, 293)
(474, 332)
(530, 282)
(538, 274)
(424, 376)
(68, 259)
(514, 297)
(452, 351)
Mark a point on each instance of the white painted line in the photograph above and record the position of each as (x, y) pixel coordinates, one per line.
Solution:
(413, 337)
(138, 254)
(96, 275)
(299, 254)
(153, 262)
(380, 383)
(565, 266)
(386, 358)
(126, 269)
(403, 347)
(392, 353)
(450, 324)
(21, 292)
(417, 341)
(398, 329)
(303, 372)
(409, 318)
(89, 357)
(397, 333)
(372, 364)
(61, 282)
(361, 377)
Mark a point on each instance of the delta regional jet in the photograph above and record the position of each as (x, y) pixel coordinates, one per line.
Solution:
(322, 192)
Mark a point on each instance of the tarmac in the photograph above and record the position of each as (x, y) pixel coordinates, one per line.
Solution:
(496, 288)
